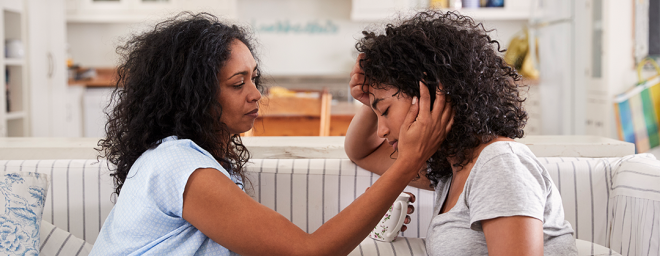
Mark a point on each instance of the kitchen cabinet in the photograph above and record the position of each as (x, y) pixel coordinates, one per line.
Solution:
(54, 108)
(13, 118)
(133, 11)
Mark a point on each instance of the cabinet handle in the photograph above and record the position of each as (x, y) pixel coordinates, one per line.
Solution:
(51, 66)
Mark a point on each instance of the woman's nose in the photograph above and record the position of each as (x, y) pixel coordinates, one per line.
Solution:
(382, 131)
(254, 94)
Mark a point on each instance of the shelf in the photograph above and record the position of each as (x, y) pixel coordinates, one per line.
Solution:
(493, 13)
(15, 115)
(14, 62)
(478, 14)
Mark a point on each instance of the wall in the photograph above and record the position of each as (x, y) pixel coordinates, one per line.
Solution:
(94, 44)
(295, 37)
(619, 73)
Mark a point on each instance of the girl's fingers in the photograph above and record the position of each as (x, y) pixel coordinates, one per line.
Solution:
(412, 197)
(411, 209)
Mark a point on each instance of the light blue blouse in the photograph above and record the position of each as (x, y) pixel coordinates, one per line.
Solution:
(147, 218)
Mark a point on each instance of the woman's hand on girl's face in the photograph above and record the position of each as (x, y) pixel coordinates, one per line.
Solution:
(357, 86)
(424, 129)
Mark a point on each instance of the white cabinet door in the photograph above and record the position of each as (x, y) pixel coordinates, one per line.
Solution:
(133, 11)
(47, 67)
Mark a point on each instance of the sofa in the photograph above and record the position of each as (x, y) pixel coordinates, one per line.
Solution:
(612, 203)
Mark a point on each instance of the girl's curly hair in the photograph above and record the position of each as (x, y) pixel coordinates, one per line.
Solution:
(168, 85)
(451, 50)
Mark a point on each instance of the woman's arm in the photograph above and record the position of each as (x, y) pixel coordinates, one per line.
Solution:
(515, 235)
(217, 207)
(226, 214)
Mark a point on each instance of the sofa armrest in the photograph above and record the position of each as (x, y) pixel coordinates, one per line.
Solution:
(635, 206)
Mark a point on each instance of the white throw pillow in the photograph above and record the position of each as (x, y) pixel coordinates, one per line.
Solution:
(56, 241)
(21, 207)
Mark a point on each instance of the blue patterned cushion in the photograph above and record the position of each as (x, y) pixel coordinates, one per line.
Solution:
(21, 207)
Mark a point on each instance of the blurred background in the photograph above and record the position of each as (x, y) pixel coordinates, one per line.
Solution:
(576, 56)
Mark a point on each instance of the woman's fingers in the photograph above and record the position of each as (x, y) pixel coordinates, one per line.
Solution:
(440, 104)
(424, 101)
(412, 114)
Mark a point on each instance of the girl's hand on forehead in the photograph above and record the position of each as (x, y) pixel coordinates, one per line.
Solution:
(359, 90)
(424, 129)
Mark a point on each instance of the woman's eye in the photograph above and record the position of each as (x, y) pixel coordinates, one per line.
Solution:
(239, 85)
(385, 112)
(254, 78)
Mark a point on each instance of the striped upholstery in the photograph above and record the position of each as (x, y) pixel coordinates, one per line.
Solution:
(320, 189)
(635, 207)
(56, 241)
(593, 203)
(613, 202)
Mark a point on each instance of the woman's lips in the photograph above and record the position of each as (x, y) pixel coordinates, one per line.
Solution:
(394, 144)
(254, 113)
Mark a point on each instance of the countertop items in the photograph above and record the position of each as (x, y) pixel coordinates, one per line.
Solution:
(104, 77)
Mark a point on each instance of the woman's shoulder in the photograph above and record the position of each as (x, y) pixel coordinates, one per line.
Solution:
(179, 147)
(174, 151)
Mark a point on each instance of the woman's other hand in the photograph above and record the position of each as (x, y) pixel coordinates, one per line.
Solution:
(359, 90)
(424, 129)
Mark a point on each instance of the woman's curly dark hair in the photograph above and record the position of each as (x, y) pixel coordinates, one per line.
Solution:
(454, 51)
(168, 85)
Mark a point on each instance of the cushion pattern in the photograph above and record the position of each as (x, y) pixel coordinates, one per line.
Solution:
(21, 209)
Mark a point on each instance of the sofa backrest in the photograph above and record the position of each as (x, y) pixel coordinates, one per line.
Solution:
(310, 191)
(79, 196)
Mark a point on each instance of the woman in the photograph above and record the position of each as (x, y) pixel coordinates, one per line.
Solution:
(186, 90)
(493, 196)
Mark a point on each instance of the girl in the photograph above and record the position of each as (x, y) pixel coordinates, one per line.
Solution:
(493, 196)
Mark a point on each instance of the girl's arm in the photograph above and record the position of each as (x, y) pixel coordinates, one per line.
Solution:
(515, 235)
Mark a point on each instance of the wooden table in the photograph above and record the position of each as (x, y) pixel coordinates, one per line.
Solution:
(341, 114)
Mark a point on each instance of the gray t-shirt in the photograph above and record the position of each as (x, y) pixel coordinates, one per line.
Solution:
(506, 180)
